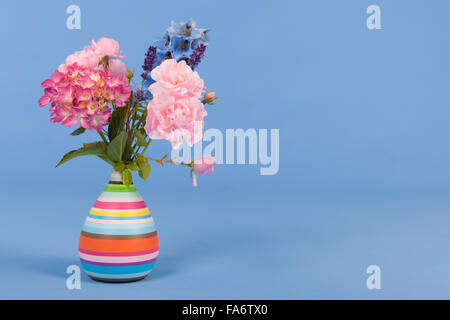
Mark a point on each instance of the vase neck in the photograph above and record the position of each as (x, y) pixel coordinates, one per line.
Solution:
(116, 176)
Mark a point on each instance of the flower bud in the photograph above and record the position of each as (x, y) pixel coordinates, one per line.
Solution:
(209, 98)
(129, 74)
(201, 166)
(210, 95)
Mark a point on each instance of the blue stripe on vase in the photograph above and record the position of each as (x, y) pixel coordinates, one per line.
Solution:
(119, 231)
(107, 270)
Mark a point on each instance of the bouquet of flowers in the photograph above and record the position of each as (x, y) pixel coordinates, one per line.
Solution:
(95, 90)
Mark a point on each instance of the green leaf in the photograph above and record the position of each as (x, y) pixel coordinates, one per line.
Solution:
(127, 178)
(78, 131)
(117, 122)
(105, 158)
(144, 168)
(104, 62)
(101, 145)
(117, 146)
(119, 166)
(97, 144)
(133, 167)
(140, 140)
(83, 151)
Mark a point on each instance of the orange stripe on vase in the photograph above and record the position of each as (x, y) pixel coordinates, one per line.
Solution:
(103, 245)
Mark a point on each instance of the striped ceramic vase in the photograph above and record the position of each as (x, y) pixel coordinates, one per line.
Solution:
(118, 242)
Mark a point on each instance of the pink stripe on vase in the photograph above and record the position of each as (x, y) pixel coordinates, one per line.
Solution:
(119, 264)
(118, 254)
(120, 205)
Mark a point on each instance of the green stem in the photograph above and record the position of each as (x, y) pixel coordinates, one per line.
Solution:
(162, 160)
(168, 161)
(148, 143)
(103, 137)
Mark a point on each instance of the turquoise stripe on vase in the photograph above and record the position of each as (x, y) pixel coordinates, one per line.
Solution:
(117, 269)
(135, 231)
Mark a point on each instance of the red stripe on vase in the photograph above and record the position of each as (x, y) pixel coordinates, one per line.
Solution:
(120, 205)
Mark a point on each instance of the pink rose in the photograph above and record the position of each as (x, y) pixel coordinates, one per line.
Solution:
(177, 78)
(117, 67)
(175, 112)
(202, 166)
(107, 47)
(86, 58)
(91, 55)
(173, 118)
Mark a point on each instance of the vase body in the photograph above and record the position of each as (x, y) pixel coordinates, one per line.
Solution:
(118, 242)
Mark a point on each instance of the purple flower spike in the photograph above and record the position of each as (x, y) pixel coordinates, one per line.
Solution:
(196, 56)
(150, 57)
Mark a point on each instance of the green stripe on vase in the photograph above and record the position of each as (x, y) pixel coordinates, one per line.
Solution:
(119, 188)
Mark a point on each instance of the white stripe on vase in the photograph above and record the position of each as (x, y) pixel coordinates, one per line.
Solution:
(130, 221)
(123, 259)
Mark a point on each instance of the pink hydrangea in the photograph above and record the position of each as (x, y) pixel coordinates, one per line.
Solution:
(175, 112)
(91, 55)
(202, 166)
(83, 94)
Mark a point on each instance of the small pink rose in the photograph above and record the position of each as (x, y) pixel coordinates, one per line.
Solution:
(202, 165)
(91, 55)
(107, 47)
(117, 67)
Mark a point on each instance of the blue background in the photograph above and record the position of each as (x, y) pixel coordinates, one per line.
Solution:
(364, 152)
